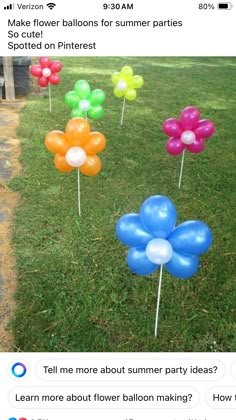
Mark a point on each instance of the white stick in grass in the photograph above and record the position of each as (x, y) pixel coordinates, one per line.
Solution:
(79, 192)
(122, 114)
(50, 99)
(158, 300)
(181, 169)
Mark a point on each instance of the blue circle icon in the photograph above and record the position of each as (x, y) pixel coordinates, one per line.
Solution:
(12, 418)
(18, 370)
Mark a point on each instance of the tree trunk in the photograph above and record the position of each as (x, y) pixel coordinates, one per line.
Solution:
(9, 78)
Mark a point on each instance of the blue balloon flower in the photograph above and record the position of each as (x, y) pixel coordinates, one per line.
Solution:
(155, 241)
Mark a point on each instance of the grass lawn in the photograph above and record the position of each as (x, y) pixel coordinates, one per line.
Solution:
(75, 292)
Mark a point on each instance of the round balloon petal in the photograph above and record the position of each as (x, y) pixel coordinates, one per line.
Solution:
(204, 129)
(158, 214)
(118, 93)
(97, 97)
(77, 131)
(36, 70)
(136, 82)
(197, 146)
(82, 89)
(44, 62)
(77, 113)
(130, 94)
(95, 143)
(191, 237)
(61, 164)
(182, 265)
(55, 66)
(175, 146)
(92, 165)
(42, 81)
(54, 79)
(126, 73)
(96, 112)
(172, 127)
(115, 77)
(131, 232)
(189, 117)
(71, 98)
(55, 142)
(139, 263)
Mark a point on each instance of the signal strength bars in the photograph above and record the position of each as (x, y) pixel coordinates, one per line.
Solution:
(9, 7)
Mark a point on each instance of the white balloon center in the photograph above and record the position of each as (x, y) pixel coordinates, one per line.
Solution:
(46, 72)
(188, 137)
(121, 86)
(84, 105)
(159, 251)
(76, 157)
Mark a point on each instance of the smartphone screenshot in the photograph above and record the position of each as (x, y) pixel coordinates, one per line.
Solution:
(117, 197)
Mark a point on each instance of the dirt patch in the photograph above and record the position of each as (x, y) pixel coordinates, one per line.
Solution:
(9, 167)
(8, 272)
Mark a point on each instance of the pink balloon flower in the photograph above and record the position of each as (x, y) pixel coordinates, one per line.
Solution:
(46, 71)
(188, 132)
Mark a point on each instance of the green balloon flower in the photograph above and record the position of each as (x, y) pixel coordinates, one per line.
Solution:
(84, 102)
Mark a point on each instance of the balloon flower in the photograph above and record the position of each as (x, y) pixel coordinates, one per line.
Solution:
(84, 101)
(76, 148)
(46, 72)
(125, 85)
(155, 242)
(189, 132)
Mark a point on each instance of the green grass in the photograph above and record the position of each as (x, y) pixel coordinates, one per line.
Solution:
(75, 292)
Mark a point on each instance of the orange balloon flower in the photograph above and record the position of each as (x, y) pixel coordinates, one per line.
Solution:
(77, 147)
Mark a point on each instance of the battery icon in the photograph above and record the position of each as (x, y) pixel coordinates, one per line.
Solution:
(225, 6)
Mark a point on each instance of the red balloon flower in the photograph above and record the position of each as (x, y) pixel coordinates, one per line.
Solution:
(187, 132)
(46, 71)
